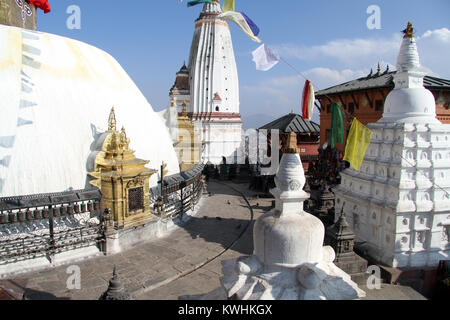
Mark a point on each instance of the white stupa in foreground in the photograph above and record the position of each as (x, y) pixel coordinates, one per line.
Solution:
(289, 260)
(398, 204)
(55, 97)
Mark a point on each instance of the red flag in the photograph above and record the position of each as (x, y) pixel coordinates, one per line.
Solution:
(41, 4)
(308, 100)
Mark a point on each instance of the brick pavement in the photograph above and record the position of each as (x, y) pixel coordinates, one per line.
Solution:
(186, 264)
(219, 222)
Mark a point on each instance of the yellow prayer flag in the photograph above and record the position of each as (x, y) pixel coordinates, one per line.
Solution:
(228, 5)
(239, 19)
(358, 141)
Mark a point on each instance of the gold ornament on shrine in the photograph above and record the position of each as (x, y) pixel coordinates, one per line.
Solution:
(122, 178)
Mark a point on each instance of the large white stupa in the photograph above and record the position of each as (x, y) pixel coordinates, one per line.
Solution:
(55, 97)
(398, 204)
(214, 87)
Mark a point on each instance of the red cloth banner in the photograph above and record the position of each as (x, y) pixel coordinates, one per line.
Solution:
(41, 4)
(306, 93)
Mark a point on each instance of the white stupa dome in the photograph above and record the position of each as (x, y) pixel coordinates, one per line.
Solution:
(409, 102)
(55, 97)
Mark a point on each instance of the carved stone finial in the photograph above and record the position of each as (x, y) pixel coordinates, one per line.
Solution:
(409, 31)
(112, 120)
(291, 143)
(116, 290)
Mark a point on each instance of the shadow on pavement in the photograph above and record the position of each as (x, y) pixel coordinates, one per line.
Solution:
(222, 231)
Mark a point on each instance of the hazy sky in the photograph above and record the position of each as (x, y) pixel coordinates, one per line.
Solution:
(328, 41)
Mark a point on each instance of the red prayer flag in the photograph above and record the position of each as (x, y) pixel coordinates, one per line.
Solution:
(41, 4)
(308, 100)
(305, 114)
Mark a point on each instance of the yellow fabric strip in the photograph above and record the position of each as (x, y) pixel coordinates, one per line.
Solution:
(357, 143)
(237, 18)
(228, 5)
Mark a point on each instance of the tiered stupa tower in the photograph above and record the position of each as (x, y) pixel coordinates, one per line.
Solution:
(214, 87)
(399, 202)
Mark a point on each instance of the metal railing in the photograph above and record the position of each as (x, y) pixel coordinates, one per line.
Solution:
(181, 192)
(43, 225)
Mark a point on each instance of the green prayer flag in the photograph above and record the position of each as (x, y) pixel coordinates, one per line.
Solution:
(337, 125)
(195, 2)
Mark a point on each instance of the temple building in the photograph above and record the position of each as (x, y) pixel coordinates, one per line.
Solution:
(307, 135)
(365, 99)
(213, 104)
(398, 204)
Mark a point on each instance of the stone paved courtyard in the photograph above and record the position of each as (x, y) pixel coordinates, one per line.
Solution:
(186, 264)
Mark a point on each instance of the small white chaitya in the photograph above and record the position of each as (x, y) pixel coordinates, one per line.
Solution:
(289, 260)
(398, 204)
(214, 87)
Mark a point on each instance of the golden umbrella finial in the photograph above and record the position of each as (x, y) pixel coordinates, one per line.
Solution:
(291, 143)
(409, 31)
(112, 120)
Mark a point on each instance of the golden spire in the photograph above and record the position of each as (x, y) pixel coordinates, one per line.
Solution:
(184, 111)
(112, 120)
(409, 31)
(291, 143)
(379, 68)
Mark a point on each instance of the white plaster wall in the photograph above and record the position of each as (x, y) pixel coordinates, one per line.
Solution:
(404, 219)
(55, 98)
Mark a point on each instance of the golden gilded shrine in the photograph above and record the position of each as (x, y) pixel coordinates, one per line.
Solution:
(189, 147)
(122, 178)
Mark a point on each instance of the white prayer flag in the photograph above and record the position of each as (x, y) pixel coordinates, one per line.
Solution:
(265, 58)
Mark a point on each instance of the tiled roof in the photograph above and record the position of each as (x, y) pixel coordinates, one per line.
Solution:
(293, 123)
(382, 80)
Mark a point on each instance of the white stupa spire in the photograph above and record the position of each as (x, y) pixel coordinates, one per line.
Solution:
(289, 261)
(408, 58)
(214, 87)
(212, 7)
(409, 102)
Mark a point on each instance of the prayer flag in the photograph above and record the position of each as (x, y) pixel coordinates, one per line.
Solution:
(358, 141)
(41, 4)
(195, 2)
(308, 100)
(265, 58)
(228, 5)
(251, 24)
(241, 22)
(337, 125)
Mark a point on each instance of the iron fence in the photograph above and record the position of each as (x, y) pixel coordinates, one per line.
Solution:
(46, 224)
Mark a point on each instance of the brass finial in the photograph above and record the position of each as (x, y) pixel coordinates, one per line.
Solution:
(112, 120)
(379, 68)
(291, 143)
(124, 141)
(409, 31)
